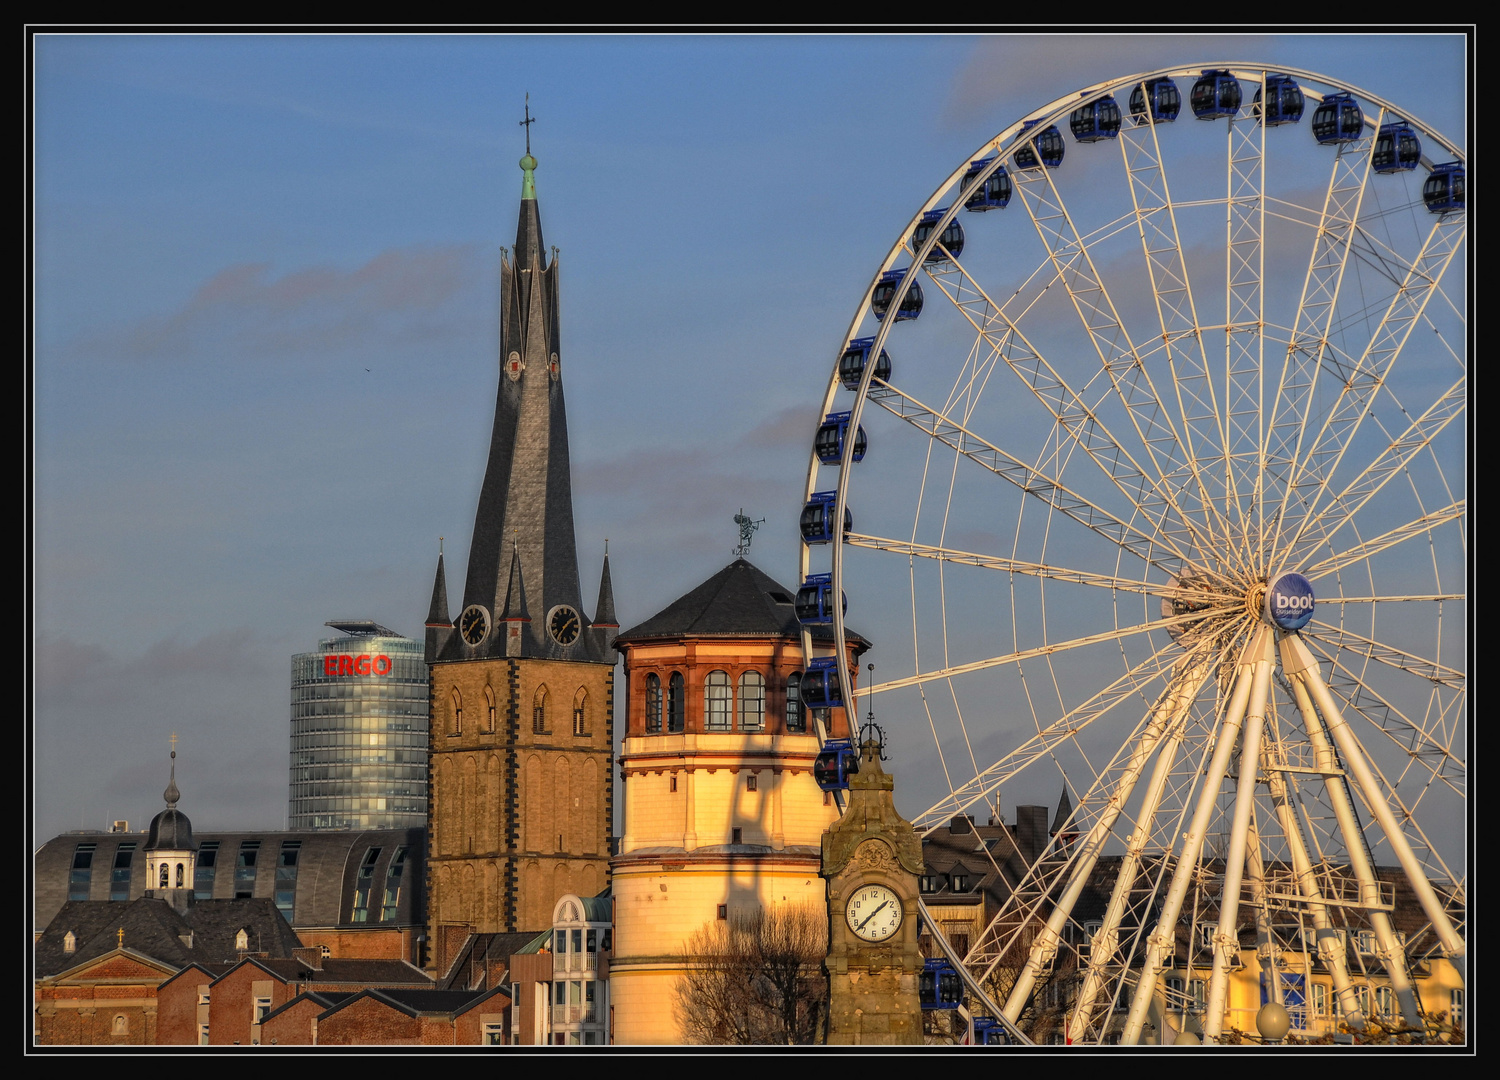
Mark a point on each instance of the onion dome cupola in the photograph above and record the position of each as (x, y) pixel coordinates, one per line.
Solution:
(171, 851)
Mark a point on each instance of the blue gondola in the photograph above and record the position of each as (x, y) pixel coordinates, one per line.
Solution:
(820, 685)
(1444, 189)
(1337, 119)
(1215, 94)
(835, 763)
(989, 1032)
(829, 441)
(1096, 120)
(1049, 144)
(940, 987)
(852, 363)
(1397, 148)
(815, 600)
(952, 238)
(1164, 98)
(817, 518)
(994, 194)
(1284, 101)
(885, 292)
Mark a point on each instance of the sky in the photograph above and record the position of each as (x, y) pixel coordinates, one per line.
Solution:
(265, 273)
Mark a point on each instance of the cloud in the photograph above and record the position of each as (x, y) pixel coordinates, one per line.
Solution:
(245, 310)
(1020, 73)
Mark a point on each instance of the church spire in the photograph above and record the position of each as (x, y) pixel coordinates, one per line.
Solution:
(525, 513)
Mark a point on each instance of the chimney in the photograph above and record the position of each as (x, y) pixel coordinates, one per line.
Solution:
(310, 957)
(1031, 832)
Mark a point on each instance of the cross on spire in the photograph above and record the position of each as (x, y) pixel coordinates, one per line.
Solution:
(174, 743)
(528, 121)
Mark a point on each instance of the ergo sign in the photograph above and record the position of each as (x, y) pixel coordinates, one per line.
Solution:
(349, 664)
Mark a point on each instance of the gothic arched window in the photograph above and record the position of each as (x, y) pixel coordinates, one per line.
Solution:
(489, 702)
(458, 713)
(580, 700)
(539, 712)
(718, 699)
(653, 704)
(752, 701)
(676, 693)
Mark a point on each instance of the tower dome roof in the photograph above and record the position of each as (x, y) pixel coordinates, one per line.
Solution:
(171, 830)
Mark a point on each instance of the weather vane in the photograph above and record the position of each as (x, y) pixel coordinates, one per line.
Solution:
(870, 731)
(528, 121)
(747, 530)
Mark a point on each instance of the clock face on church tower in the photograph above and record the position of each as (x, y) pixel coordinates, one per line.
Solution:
(873, 912)
(564, 625)
(474, 624)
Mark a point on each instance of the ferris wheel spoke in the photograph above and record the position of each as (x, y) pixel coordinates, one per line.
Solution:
(1360, 383)
(1118, 356)
(1393, 459)
(1244, 322)
(1042, 744)
(1152, 495)
(1053, 649)
(1340, 638)
(1291, 408)
(956, 435)
(1176, 311)
(1018, 566)
(1399, 535)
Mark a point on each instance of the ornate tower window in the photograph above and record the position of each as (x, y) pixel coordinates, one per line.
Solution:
(796, 720)
(580, 701)
(457, 719)
(653, 704)
(752, 701)
(676, 692)
(718, 699)
(489, 704)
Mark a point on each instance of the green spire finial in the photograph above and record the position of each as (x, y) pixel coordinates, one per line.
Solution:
(528, 163)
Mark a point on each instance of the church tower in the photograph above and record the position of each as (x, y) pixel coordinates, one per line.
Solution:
(522, 681)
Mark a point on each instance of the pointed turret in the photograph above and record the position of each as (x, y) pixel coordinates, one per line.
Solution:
(170, 850)
(604, 610)
(439, 625)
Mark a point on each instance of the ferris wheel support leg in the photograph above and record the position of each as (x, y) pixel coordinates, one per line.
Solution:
(1300, 665)
(1163, 943)
(1267, 948)
(1176, 702)
(1227, 937)
(1354, 759)
(1307, 883)
(1331, 946)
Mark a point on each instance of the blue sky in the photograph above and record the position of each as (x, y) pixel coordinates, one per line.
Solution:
(264, 359)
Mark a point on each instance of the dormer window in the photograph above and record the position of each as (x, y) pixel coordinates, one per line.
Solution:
(960, 882)
(70, 942)
(928, 883)
(242, 940)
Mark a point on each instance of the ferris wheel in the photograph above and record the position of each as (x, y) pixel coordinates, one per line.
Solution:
(1155, 438)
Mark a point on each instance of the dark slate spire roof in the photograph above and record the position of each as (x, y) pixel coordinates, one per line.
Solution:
(526, 502)
(515, 591)
(171, 830)
(1064, 812)
(437, 611)
(738, 601)
(604, 610)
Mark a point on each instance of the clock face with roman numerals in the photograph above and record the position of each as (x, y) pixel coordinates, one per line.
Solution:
(874, 912)
(564, 624)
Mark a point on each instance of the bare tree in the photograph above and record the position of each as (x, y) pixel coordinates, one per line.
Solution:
(756, 978)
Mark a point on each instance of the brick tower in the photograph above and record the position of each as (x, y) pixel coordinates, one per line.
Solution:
(522, 703)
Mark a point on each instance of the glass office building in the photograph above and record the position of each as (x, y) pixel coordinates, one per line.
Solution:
(359, 732)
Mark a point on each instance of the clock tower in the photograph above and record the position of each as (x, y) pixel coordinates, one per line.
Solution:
(872, 858)
(522, 681)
